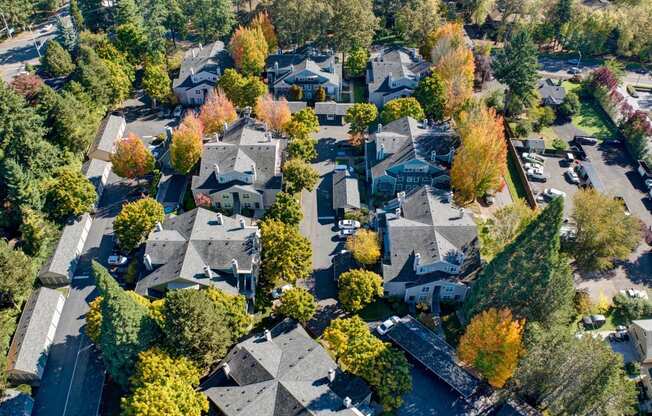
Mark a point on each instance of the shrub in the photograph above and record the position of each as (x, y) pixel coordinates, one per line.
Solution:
(559, 144)
(523, 128)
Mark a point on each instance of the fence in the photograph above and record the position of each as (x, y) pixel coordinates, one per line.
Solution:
(513, 154)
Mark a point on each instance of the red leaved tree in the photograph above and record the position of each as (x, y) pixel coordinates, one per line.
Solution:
(276, 113)
(216, 111)
(131, 158)
(27, 85)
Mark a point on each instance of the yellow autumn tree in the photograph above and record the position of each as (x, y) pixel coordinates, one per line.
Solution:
(492, 344)
(216, 111)
(442, 41)
(263, 22)
(364, 245)
(186, 147)
(456, 71)
(249, 50)
(481, 160)
(276, 113)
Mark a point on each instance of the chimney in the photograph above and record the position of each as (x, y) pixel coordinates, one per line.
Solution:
(208, 272)
(397, 212)
(433, 155)
(425, 123)
(243, 223)
(417, 260)
(253, 172)
(148, 262)
(200, 47)
(276, 68)
(331, 375)
(194, 55)
(347, 402)
(380, 128)
(268, 335)
(292, 68)
(158, 227)
(246, 112)
(461, 214)
(227, 370)
(219, 218)
(168, 133)
(216, 168)
(234, 267)
(391, 80)
(381, 152)
(225, 126)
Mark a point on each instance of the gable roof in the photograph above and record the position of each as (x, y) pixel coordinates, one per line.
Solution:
(187, 243)
(110, 130)
(62, 261)
(407, 139)
(345, 190)
(314, 67)
(432, 227)
(332, 107)
(550, 91)
(244, 145)
(213, 58)
(16, 403)
(286, 376)
(398, 62)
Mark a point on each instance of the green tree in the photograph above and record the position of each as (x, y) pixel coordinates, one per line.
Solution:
(516, 66)
(299, 175)
(529, 276)
(156, 82)
(17, 12)
(68, 34)
(604, 231)
(570, 106)
(431, 94)
(126, 329)
(416, 19)
(297, 303)
(364, 245)
(626, 309)
(76, 15)
(360, 116)
(503, 226)
(356, 62)
(98, 80)
(130, 38)
(211, 18)
(298, 22)
(162, 385)
(57, 61)
(358, 288)
(353, 24)
(21, 187)
(242, 91)
(126, 12)
(136, 220)
(286, 208)
(36, 232)
(287, 255)
(320, 94)
(235, 311)
(308, 118)
(194, 327)
(70, 193)
(303, 147)
(402, 107)
(574, 375)
(18, 272)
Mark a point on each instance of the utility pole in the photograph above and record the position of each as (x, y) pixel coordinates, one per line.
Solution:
(29, 27)
(4, 20)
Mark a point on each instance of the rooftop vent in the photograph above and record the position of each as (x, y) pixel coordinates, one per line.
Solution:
(268, 335)
(219, 218)
(158, 226)
(331, 375)
(347, 402)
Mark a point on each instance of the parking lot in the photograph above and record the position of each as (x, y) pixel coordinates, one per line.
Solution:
(554, 168)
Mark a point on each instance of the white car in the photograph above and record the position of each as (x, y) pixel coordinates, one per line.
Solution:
(572, 176)
(384, 328)
(553, 193)
(345, 233)
(648, 183)
(178, 111)
(116, 260)
(533, 157)
(536, 174)
(530, 165)
(348, 225)
(278, 292)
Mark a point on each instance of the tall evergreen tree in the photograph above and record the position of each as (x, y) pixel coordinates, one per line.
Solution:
(126, 330)
(76, 15)
(529, 276)
(212, 18)
(126, 12)
(68, 34)
(21, 188)
(516, 66)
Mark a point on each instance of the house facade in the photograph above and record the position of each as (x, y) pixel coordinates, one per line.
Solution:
(284, 372)
(408, 154)
(241, 169)
(428, 243)
(307, 69)
(200, 71)
(394, 72)
(332, 113)
(202, 248)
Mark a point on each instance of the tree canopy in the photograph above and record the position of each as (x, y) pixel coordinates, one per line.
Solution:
(275, 113)
(358, 288)
(249, 50)
(297, 303)
(364, 245)
(299, 175)
(70, 193)
(131, 159)
(18, 272)
(136, 220)
(286, 208)
(187, 146)
(242, 91)
(402, 107)
(217, 112)
(430, 93)
(287, 255)
(57, 61)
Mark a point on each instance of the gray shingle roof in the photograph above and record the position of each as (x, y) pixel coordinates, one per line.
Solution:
(432, 227)
(406, 139)
(16, 403)
(94, 170)
(286, 376)
(110, 130)
(322, 66)
(345, 190)
(213, 58)
(195, 239)
(550, 92)
(397, 61)
(243, 145)
(35, 332)
(332, 107)
(63, 259)
(434, 353)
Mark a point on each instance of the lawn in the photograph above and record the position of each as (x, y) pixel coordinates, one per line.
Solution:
(381, 310)
(359, 91)
(591, 118)
(514, 183)
(548, 135)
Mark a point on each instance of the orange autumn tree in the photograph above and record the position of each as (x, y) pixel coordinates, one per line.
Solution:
(187, 146)
(492, 344)
(131, 159)
(249, 50)
(456, 71)
(276, 113)
(481, 160)
(442, 41)
(264, 23)
(216, 111)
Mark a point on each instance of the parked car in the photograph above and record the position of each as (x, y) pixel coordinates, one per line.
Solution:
(346, 232)
(586, 140)
(117, 260)
(178, 111)
(348, 224)
(572, 176)
(574, 70)
(384, 328)
(553, 193)
(569, 159)
(489, 198)
(530, 165)
(648, 183)
(536, 175)
(278, 292)
(533, 158)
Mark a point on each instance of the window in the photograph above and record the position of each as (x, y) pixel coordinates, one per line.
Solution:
(226, 196)
(198, 92)
(247, 205)
(257, 205)
(245, 196)
(425, 289)
(411, 299)
(409, 179)
(330, 117)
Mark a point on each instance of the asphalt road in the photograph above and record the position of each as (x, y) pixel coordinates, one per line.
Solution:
(74, 374)
(558, 68)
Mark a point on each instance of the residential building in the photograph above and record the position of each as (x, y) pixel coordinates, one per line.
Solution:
(28, 352)
(428, 242)
(200, 71)
(308, 69)
(407, 154)
(60, 267)
(240, 169)
(551, 92)
(394, 72)
(16, 403)
(331, 113)
(346, 195)
(641, 335)
(111, 130)
(202, 248)
(284, 372)
(97, 171)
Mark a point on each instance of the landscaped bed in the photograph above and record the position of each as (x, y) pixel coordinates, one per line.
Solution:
(591, 118)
